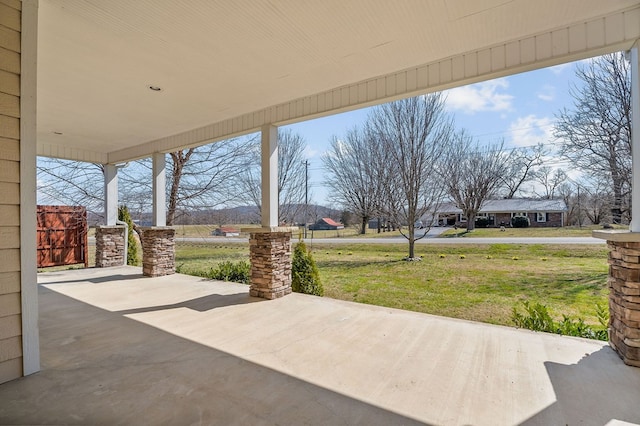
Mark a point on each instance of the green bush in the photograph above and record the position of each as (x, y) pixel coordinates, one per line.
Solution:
(520, 222)
(132, 247)
(304, 272)
(482, 222)
(538, 318)
(238, 272)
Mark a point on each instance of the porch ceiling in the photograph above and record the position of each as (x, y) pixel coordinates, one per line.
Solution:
(226, 68)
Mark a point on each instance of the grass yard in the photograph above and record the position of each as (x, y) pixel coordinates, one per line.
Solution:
(478, 282)
(567, 231)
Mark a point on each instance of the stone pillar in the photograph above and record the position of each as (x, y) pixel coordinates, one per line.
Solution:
(624, 293)
(110, 246)
(158, 251)
(270, 253)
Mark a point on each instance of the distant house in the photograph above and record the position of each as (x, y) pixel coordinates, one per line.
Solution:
(326, 224)
(225, 231)
(541, 213)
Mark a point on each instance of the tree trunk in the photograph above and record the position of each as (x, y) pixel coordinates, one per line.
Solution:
(363, 225)
(412, 242)
(616, 208)
(471, 221)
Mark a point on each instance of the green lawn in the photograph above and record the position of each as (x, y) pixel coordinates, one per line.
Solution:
(483, 286)
(567, 231)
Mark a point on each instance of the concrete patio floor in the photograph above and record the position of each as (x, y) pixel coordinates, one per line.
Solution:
(118, 348)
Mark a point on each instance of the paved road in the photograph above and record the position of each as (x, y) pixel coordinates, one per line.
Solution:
(400, 240)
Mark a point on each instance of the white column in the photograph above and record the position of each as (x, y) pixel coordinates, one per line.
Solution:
(159, 190)
(110, 194)
(28, 272)
(635, 139)
(269, 176)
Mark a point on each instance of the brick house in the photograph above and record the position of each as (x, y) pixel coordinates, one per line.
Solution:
(541, 213)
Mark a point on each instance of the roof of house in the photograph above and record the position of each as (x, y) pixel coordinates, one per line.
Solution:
(331, 222)
(511, 205)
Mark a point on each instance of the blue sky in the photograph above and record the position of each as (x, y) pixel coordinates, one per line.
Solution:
(519, 109)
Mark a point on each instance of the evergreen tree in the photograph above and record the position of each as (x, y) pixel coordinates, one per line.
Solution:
(304, 272)
(132, 248)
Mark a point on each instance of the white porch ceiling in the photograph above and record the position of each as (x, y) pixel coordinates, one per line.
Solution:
(228, 67)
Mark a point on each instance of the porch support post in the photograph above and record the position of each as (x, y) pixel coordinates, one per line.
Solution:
(110, 194)
(159, 190)
(269, 163)
(270, 246)
(28, 280)
(110, 237)
(624, 246)
(635, 138)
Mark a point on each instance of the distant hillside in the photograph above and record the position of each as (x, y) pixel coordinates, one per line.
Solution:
(232, 215)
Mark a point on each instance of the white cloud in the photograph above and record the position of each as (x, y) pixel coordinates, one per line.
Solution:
(485, 96)
(309, 152)
(531, 130)
(547, 93)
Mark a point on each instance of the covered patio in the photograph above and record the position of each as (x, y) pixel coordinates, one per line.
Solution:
(110, 82)
(118, 348)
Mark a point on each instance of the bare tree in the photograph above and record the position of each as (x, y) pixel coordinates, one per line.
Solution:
(596, 134)
(352, 175)
(413, 134)
(550, 179)
(597, 199)
(291, 176)
(522, 164)
(573, 196)
(200, 178)
(473, 174)
(71, 183)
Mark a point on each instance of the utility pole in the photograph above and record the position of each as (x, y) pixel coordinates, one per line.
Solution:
(306, 196)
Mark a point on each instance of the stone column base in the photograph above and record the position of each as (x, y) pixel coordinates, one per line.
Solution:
(270, 253)
(624, 294)
(158, 251)
(110, 246)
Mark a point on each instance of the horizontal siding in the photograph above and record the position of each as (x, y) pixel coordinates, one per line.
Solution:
(9, 105)
(10, 326)
(9, 149)
(9, 16)
(10, 370)
(9, 282)
(10, 60)
(9, 127)
(9, 39)
(9, 172)
(9, 237)
(9, 193)
(10, 215)
(9, 304)
(11, 361)
(9, 83)
(10, 348)
(14, 4)
(10, 260)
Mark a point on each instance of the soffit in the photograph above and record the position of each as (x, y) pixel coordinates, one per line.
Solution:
(219, 60)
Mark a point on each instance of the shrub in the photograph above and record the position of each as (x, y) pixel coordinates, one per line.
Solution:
(520, 222)
(482, 222)
(132, 246)
(538, 318)
(238, 272)
(304, 272)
